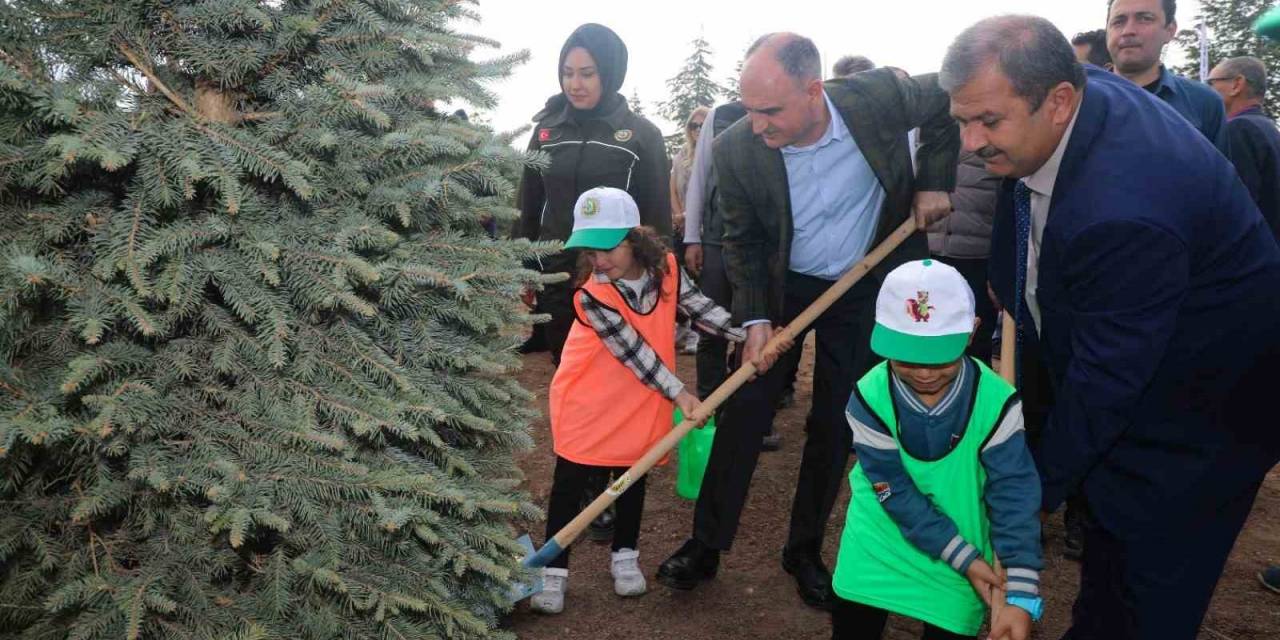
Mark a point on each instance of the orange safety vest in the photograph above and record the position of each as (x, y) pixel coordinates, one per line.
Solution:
(601, 413)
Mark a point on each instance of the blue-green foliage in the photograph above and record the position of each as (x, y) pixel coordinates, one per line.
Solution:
(255, 346)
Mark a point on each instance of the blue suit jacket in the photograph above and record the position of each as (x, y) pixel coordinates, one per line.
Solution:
(1159, 288)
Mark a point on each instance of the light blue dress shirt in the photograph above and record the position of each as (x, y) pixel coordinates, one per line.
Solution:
(835, 202)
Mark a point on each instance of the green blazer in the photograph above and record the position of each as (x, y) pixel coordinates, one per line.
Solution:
(879, 108)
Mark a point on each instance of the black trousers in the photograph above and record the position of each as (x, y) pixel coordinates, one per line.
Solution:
(567, 486)
(1154, 586)
(712, 359)
(842, 356)
(556, 300)
(974, 271)
(856, 621)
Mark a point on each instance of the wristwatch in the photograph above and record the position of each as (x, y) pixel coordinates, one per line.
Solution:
(1033, 606)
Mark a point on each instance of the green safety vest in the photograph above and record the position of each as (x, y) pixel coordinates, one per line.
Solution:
(879, 567)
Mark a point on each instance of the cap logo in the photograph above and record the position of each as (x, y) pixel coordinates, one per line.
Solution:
(622, 135)
(919, 308)
(590, 207)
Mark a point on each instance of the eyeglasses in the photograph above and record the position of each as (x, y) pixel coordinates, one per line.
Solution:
(695, 126)
(1213, 80)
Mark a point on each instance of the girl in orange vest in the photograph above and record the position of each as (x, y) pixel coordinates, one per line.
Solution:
(613, 392)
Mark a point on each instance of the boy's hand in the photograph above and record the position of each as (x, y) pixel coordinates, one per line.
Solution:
(688, 404)
(984, 580)
(1014, 623)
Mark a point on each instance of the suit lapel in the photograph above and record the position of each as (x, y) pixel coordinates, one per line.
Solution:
(862, 125)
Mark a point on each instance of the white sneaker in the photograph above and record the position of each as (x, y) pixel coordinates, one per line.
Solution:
(551, 599)
(628, 581)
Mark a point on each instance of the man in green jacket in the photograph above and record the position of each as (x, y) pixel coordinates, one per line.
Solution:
(813, 178)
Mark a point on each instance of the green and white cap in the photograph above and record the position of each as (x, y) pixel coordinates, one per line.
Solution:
(601, 219)
(924, 314)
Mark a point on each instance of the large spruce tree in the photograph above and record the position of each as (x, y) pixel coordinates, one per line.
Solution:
(255, 346)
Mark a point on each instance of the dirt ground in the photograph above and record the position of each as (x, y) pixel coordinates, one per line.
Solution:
(753, 598)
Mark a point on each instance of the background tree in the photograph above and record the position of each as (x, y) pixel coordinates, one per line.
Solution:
(255, 347)
(689, 89)
(637, 107)
(731, 91)
(1230, 35)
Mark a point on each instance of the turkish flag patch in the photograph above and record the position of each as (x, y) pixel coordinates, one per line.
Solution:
(544, 135)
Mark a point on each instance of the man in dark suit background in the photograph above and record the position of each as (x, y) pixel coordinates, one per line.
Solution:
(811, 180)
(1139, 258)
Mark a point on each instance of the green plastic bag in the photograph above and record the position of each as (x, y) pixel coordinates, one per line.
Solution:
(694, 451)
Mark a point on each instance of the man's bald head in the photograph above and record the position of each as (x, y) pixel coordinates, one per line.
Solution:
(795, 54)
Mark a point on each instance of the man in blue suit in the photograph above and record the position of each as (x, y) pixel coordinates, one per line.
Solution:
(1129, 247)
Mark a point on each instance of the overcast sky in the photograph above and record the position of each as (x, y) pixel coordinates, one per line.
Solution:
(911, 34)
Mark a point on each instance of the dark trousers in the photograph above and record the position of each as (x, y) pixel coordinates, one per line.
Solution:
(842, 356)
(556, 300)
(1154, 586)
(856, 621)
(974, 271)
(712, 350)
(567, 486)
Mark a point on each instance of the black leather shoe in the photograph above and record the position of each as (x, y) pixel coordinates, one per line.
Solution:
(692, 564)
(813, 581)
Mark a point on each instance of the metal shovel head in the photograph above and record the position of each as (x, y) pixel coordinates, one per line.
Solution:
(522, 590)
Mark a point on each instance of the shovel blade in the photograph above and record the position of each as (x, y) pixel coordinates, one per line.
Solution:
(522, 590)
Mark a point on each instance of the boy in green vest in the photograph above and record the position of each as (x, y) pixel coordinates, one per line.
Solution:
(943, 479)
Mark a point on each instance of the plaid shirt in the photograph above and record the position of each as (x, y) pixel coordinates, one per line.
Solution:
(630, 348)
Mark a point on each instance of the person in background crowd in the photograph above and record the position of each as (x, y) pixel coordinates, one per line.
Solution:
(963, 240)
(681, 168)
(849, 65)
(1137, 31)
(1153, 295)
(592, 139)
(1255, 150)
(704, 228)
(1091, 48)
(815, 177)
(1255, 140)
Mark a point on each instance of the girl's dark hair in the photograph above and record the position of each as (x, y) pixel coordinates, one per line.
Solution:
(649, 249)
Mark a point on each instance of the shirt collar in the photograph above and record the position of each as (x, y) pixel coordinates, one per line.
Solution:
(1165, 83)
(1255, 110)
(836, 130)
(1046, 176)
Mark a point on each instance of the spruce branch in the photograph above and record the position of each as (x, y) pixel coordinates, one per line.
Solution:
(154, 79)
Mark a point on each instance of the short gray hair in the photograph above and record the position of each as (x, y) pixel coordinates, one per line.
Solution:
(850, 65)
(796, 53)
(1253, 70)
(1029, 50)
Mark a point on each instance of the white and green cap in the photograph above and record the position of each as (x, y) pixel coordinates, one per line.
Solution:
(601, 219)
(924, 314)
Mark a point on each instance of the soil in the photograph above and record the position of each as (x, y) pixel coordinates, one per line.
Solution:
(753, 598)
